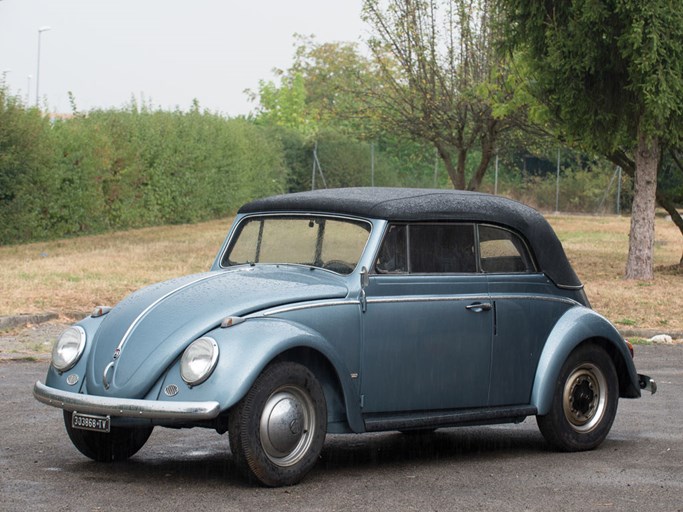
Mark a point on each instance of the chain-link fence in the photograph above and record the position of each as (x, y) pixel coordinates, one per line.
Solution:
(570, 184)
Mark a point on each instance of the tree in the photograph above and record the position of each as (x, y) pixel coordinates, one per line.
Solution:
(667, 199)
(611, 72)
(440, 78)
(320, 90)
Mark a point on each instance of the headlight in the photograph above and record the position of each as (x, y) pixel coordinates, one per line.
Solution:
(68, 348)
(199, 360)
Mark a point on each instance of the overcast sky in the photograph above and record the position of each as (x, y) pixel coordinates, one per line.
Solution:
(165, 51)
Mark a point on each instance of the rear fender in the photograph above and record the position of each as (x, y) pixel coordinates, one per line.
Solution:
(246, 349)
(576, 326)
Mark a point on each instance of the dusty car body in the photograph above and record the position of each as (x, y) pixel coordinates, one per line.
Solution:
(350, 311)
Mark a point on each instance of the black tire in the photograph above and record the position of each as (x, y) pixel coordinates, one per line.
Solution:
(584, 401)
(119, 444)
(278, 429)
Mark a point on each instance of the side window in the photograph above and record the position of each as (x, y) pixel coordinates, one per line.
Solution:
(501, 251)
(441, 248)
(428, 249)
(393, 256)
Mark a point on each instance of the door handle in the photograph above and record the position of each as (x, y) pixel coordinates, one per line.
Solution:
(478, 307)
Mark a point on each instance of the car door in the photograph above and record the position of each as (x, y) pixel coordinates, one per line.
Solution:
(428, 322)
(527, 306)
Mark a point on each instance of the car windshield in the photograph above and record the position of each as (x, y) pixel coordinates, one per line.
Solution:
(331, 243)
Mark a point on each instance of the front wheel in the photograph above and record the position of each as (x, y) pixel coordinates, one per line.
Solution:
(584, 401)
(119, 444)
(278, 429)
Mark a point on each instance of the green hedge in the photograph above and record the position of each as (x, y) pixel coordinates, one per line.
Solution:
(119, 169)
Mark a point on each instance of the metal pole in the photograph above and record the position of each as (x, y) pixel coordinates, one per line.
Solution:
(40, 32)
(618, 190)
(557, 185)
(372, 164)
(495, 183)
(315, 158)
(436, 165)
(28, 89)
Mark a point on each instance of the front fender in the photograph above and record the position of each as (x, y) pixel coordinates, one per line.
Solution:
(246, 349)
(574, 327)
(74, 379)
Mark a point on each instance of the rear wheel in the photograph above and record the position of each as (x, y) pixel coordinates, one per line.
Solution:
(278, 429)
(584, 401)
(119, 444)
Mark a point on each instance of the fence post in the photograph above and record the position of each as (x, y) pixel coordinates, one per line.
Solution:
(315, 158)
(557, 185)
(372, 164)
(495, 181)
(618, 190)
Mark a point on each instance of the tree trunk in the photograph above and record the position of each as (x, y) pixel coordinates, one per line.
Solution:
(640, 262)
(621, 159)
(486, 155)
(456, 174)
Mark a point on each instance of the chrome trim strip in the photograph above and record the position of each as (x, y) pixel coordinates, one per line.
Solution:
(299, 307)
(431, 298)
(547, 298)
(407, 298)
(568, 287)
(125, 407)
(455, 298)
(139, 318)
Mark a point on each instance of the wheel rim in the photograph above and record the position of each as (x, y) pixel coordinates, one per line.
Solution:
(287, 425)
(585, 397)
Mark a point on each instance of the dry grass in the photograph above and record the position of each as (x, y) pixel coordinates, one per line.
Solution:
(597, 248)
(78, 274)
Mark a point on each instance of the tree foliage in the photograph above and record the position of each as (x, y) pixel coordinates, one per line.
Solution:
(114, 169)
(440, 79)
(321, 90)
(611, 72)
(24, 159)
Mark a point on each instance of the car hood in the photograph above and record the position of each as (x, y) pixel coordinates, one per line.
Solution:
(150, 328)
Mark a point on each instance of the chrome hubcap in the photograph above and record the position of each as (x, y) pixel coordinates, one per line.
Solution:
(287, 425)
(585, 397)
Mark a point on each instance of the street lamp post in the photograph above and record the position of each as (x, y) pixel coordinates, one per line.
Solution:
(40, 32)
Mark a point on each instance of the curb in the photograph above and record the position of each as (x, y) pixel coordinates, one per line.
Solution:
(10, 322)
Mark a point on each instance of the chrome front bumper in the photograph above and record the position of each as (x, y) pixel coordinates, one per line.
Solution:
(125, 407)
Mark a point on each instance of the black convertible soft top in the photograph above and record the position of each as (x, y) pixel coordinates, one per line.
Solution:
(406, 205)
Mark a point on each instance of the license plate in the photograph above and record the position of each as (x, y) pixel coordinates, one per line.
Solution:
(90, 422)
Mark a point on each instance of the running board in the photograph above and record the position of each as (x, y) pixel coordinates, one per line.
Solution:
(453, 418)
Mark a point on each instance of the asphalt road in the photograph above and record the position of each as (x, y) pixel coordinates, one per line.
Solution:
(501, 468)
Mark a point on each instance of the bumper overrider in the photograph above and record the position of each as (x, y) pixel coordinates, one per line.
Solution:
(647, 383)
(125, 407)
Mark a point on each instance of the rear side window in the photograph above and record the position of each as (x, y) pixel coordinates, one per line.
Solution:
(451, 249)
(501, 251)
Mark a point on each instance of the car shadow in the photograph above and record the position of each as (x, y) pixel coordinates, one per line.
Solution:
(452, 444)
(179, 460)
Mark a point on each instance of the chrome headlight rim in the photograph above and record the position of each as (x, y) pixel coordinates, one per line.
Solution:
(58, 361)
(194, 377)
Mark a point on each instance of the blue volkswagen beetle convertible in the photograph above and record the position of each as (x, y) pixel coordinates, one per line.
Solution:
(350, 311)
